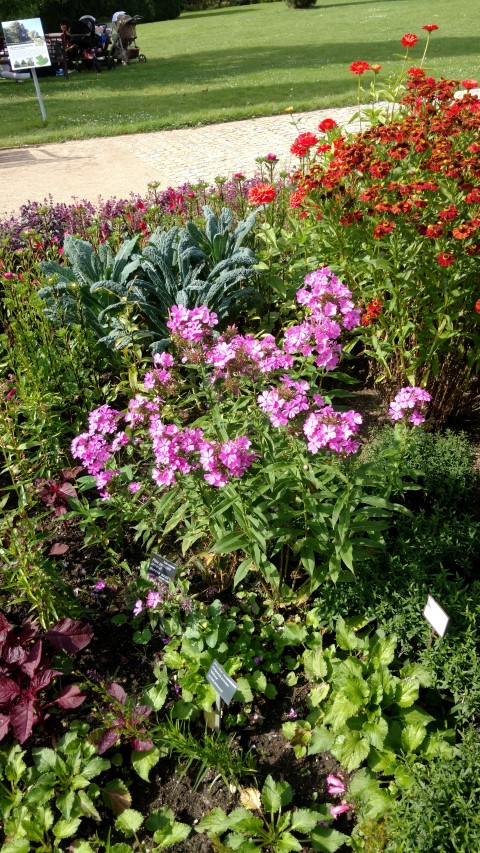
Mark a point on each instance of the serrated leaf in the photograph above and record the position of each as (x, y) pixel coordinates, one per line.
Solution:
(327, 840)
(275, 795)
(214, 823)
(116, 796)
(287, 843)
(66, 828)
(129, 822)
(412, 736)
(17, 845)
(320, 741)
(303, 820)
(315, 664)
(86, 806)
(171, 835)
(351, 749)
(144, 761)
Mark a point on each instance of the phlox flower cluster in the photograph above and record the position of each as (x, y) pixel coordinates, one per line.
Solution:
(220, 462)
(331, 309)
(409, 402)
(244, 355)
(326, 429)
(285, 402)
(191, 324)
(160, 379)
(93, 448)
(174, 450)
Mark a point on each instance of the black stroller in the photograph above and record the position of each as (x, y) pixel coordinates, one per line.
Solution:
(124, 39)
(88, 45)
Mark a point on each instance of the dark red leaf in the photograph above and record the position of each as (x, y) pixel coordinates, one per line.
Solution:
(58, 549)
(21, 718)
(71, 697)
(117, 692)
(108, 739)
(14, 654)
(42, 679)
(4, 629)
(32, 660)
(66, 490)
(8, 690)
(143, 711)
(4, 725)
(141, 745)
(29, 630)
(69, 635)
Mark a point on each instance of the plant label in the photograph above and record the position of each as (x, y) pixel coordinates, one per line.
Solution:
(435, 616)
(161, 569)
(223, 685)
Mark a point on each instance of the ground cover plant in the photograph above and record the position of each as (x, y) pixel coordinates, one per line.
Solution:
(232, 498)
(189, 79)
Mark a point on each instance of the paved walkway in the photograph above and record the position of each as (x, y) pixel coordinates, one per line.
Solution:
(119, 165)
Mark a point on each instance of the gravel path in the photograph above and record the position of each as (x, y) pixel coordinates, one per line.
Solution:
(119, 165)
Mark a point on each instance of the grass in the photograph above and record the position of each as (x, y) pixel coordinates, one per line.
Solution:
(241, 62)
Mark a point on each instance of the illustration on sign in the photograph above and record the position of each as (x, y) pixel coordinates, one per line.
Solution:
(225, 686)
(161, 569)
(26, 44)
(437, 617)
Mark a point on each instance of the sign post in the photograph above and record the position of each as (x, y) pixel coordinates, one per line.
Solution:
(224, 686)
(436, 617)
(161, 570)
(27, 50)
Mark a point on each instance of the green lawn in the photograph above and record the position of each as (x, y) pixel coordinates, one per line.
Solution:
(242, 62)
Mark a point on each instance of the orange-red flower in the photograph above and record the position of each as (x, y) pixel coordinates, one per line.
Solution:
(473, 197)
(375, 67)
(383, 228)
(477, 306)
(445, 259)
(448, 213)
(430, 28)
(409, 40)
(469, 83)
(261, 194)
(359, 67)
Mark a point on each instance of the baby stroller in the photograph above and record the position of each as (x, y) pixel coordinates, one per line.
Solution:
(88, 48)
(124, 39)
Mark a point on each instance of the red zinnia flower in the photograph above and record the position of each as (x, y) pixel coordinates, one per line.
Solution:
(302, 143)
(416, 72)
(409, 40)
(477, 306)
(322, 148)
(469, 83)
(359, 67)
(430, 28)
(297, 197)
(445, 259)
(448, 213)
(327, 124)
(261, 194)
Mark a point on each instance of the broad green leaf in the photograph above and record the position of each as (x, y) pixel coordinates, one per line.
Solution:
(406, 693)
(275, 795)
(214, 823)
(321, 741)
(376, 732)
(345, 637)
(17, 845)
(230, 542)
(94, 767)
(287, 843)
(412, 736)
(155, 696)
(303, 820)
(46, 759)
(116, 796)
(326, 840)
(173, 834)
(315, 664)
(129, 822)
(81, 846)
(144, 761)
(351, 749)
(383, 650)
(244, 691)
(294, 634)
(237, 841)
(15, 766)
(65, 803)
(66, 828)
(86, 806)
(42, 789)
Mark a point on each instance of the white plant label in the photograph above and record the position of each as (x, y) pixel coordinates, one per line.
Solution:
(436, 616)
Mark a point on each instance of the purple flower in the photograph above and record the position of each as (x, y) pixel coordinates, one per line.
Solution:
(153, 599)
(99, 586)
(336, 810)
(335, 785)
(292, 714)
(409, 402)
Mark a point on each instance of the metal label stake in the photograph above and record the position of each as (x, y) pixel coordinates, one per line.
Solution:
(39, 94)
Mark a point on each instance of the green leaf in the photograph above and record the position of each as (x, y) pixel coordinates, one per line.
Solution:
(294, 634)
(42, 790)
(155, 696)
(129, 822)
(303, 820)
(275, 795)
(214, 823)
(243, 570)
(81, 846)
(66, 828)
(86, 806)
(230, 542)
(351, 749)
(287, 843)
(345, 638)
(315, 664)
(15, 766)
(412, 736)
(144, 761)
(46, 759)
(173, 834)
(383, 650)
(326, 840)
(321, 741)
(94, 767)
(17, 845)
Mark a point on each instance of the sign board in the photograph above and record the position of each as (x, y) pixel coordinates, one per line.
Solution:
(26, 44)
(435, 616)
(161, 570)
(223, 685)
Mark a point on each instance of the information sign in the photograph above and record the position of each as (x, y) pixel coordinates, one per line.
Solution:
(161, 569)
(436, 616)
(225, 686)
(27, 49)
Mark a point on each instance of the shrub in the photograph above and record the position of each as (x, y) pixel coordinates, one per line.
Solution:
(300, 4)
(439, 811)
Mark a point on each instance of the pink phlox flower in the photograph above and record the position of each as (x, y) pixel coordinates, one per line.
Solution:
(92, 450)
(134, 487)
(139, 408)
(138, 607)
(99, 586)
(163, 359)
(285, 402)
(326, 429)
(230, 459)
(103, 420)
(120, 440)
(191, 324)
(409, 401)
(102, 479)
